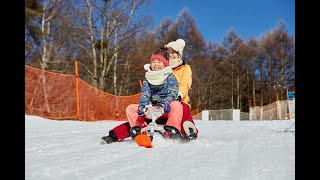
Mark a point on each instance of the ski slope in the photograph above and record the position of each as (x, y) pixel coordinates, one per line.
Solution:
(224, 150)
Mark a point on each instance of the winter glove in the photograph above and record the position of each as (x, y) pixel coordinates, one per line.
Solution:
(166, 107)
(141, 111)
(179, 98)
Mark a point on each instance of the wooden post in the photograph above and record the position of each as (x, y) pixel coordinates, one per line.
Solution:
(288, 100)
(140, 83)
(77, 90)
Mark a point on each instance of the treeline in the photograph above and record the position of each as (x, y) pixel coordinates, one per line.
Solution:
(113, 39)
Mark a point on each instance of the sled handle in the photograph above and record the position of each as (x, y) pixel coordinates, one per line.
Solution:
(153, 112)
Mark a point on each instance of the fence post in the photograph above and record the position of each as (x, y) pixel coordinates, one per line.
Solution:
(205, 115)
(236, 114)
(288, 111)
(77, 90)
(279, 109)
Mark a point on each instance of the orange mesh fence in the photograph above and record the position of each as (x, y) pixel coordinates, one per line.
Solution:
(194, 112)
(49, 94)
(60, 96)
(54, 95)
(98, 105)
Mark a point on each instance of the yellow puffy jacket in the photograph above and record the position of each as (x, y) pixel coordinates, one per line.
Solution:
(183, 74)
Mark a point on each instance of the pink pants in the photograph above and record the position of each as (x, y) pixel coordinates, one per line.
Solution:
(174, 116)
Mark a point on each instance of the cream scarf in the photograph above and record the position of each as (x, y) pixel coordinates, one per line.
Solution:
(157, 77)
(175, 62)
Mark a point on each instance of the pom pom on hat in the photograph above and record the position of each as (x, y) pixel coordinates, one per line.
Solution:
(177, 45)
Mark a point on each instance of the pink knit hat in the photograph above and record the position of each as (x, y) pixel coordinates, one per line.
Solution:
(161, 54)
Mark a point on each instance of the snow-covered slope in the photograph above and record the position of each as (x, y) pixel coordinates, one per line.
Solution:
(224, 150)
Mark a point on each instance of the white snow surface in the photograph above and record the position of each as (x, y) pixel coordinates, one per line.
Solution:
(224, 150)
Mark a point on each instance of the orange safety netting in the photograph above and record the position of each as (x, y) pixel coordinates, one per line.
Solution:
(97, 105)
(50, 95)
(60, 96)
(194, 112)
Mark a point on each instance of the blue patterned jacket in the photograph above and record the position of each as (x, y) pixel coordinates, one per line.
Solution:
(159, 94)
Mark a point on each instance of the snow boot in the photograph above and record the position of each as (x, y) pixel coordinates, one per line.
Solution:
(112, 137)
(173, 132)
(106, 140)
(190, 130)
(134, 131)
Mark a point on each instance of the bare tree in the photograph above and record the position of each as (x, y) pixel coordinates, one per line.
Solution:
(33, 11)
(108, 26)
(49, 11)
(231, 42)
(253, 49)
(284, 53)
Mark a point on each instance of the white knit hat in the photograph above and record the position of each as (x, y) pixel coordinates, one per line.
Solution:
(177, 45)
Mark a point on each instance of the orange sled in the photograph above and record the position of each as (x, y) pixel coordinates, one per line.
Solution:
(143, 140)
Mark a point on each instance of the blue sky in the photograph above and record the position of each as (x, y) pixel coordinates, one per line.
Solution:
(214, 18)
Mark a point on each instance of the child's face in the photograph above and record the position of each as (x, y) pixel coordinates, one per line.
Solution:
(173, 54)
(157, 65)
